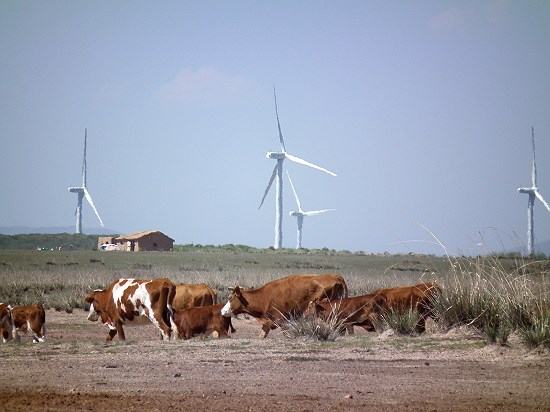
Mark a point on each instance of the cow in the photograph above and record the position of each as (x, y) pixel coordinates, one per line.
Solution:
(202, 321)
(133, 300)
(360, 311)
(194, 295)
(418, 298)
(283, 298)
(29, 318)
(6, 321)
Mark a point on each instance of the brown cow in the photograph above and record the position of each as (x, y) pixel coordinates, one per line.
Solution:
(132, 300)
(202, 320)
(31, 318)
(349, 312)
(418, 297)
(6, 322)
(194, 295)
(283, 298)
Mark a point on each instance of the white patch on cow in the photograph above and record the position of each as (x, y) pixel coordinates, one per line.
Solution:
(92, 314)
(226, 310)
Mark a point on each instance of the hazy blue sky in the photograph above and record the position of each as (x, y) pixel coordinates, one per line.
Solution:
(424, 110)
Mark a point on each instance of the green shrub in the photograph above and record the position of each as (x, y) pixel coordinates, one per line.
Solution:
(403, 322)
(312, 327)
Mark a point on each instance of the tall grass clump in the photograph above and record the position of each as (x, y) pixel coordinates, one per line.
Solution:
(404, 322)
(493, 298)
(312, 327)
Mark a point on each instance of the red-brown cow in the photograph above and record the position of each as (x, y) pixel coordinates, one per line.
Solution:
(6, 322)
(202, 321)
(132, 300)
(283, 298)
(349, 312)
(419, 298)
(29, 318)
(194, 295)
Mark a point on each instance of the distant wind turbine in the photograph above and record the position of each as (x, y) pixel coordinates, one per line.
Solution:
(532, 192)
(82, 192)
(277, 175)
(300, 214)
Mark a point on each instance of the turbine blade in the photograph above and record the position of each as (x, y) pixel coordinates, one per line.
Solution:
(317, 212)
(269, 185)
(278, 123)
(534, 170)
(295, 194)
(90, 201)
(537, 194)
(84, 165)
(306, 163)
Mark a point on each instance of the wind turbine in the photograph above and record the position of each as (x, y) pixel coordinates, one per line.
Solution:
(532, 192)
(300, 214)
(277, 175)
(82, 192)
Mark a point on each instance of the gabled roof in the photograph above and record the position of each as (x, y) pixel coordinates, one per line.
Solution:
(139, 235)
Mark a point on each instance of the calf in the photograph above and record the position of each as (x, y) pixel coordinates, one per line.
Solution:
(349, 312)
(418, 298)
(31, 318)
(202, 320)
(6, 321)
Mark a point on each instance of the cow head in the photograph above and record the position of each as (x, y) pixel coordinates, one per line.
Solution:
(235, 304)
(93, 314)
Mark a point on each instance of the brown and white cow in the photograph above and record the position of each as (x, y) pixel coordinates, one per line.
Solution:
(190, 295)
(360, 311)
(202, 321)
(420, 298)
(29, 318)
(283, 298)
(133, 300)
(6, 322)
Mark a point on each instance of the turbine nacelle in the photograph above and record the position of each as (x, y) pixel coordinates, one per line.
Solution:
(527, 189)
(276, 155)
(75, 189)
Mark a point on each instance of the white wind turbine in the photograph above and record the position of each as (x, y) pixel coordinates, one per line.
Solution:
(82, 192)
(300, 214)
(532, 192)
(277, 175)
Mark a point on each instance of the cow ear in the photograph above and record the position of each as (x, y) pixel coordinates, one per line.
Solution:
(236, 290)
(89, 299)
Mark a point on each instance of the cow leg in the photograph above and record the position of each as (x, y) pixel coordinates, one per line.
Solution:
(38, 336)
(117, 329)
(110, 335)
(265, 331)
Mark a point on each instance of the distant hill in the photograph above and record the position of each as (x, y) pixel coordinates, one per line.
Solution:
(48, 241)
(21, 230)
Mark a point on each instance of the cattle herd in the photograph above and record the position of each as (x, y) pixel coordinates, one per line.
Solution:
(191, 310)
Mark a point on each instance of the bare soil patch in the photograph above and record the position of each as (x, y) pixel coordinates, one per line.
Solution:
(76, 370)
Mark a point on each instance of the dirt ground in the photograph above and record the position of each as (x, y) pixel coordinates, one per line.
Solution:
(76, 370)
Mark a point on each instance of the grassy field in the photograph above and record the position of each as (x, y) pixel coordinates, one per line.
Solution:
(495, 294)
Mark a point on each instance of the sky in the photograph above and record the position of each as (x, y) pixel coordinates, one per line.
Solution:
(423, 110)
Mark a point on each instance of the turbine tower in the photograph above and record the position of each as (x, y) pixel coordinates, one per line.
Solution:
(300, 214)
(532, 192)
(277, 175)
(82, 192)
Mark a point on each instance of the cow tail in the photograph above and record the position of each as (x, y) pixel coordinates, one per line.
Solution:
(344, 284)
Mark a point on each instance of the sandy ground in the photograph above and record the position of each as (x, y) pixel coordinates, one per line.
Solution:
(76, 370)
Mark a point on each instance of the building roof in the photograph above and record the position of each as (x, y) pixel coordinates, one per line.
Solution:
(139, 235)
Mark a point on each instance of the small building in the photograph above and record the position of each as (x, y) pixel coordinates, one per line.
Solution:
(151, 240)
